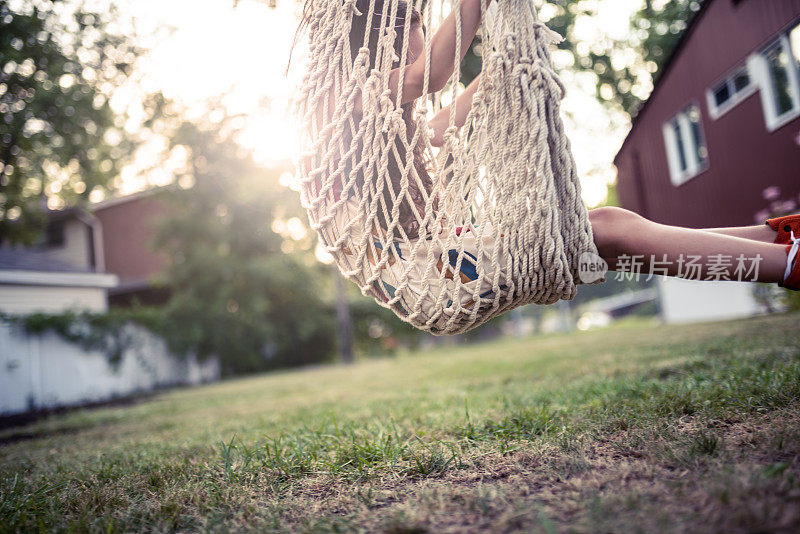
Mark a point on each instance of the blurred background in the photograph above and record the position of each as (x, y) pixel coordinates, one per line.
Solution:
(150, 229)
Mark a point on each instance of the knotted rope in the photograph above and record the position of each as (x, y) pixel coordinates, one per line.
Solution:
(503, 223)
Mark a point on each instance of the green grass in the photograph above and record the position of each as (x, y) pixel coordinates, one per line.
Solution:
(640, 427)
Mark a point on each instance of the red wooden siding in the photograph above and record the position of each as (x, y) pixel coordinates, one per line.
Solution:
(743, 157)
(128, 231)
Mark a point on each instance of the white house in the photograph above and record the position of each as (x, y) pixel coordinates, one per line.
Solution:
(687, 301)
(65, 271)
(33, 281)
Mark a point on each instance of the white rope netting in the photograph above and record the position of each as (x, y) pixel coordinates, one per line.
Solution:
(493, 220)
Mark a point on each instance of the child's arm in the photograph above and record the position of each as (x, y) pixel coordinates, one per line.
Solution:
(462, 106)
(443, 50)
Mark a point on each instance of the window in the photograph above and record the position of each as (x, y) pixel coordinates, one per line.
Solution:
(779, 74)
(794, 42)
(54, 234)
(733, 89)
(686, 149)
(778, 69)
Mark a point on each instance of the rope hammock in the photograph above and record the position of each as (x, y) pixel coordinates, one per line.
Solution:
(493, 219)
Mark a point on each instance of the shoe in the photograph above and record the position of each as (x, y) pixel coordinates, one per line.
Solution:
(785, 226)
(791, 278)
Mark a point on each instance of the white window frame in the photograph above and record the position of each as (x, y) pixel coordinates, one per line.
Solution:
(694, 165)
(716, 111)
(759, 66)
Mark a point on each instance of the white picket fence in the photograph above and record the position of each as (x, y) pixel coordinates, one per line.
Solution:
(45, 371)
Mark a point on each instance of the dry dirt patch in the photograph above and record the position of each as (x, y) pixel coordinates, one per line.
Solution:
(605, 485)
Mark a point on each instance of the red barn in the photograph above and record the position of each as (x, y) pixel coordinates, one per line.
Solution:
(723, 121)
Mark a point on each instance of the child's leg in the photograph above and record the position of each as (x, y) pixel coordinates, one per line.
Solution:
(619, 233)
(761, 232)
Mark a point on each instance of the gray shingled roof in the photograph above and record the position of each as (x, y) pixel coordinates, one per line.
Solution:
(16, 259)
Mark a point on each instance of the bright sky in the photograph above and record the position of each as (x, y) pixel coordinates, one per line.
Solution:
(242, 51)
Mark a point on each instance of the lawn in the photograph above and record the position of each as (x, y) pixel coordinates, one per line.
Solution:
(641, 427)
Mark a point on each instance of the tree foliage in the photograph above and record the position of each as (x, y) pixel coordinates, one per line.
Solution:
(238, 292)
(58, 136)
(625, 68)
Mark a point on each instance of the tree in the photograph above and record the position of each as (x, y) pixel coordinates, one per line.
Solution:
(59, 138)
(625, 68)
(238, 292)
